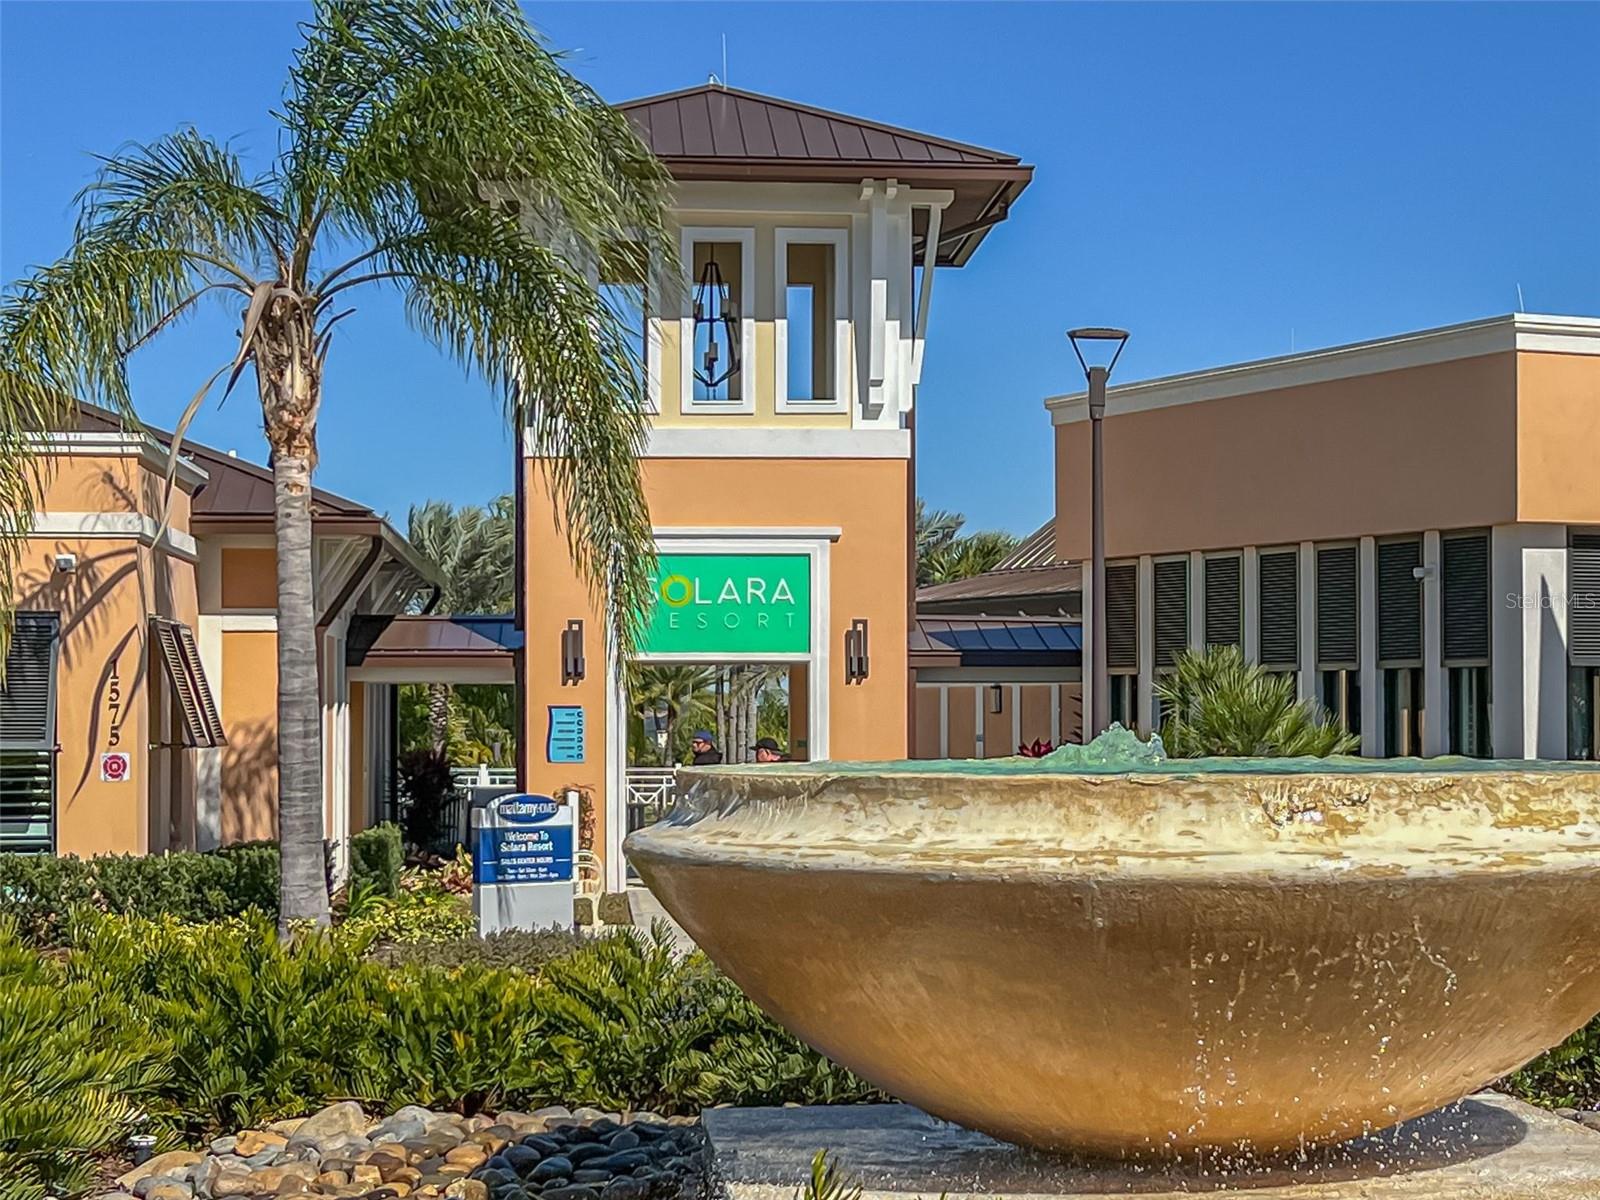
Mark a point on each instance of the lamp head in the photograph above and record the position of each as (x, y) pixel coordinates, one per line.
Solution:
(1097, 346)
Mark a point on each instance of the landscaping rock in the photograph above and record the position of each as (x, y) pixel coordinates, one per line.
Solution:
(168, 1191)
(251, 1142)
(171, 1163)
(231, 1183)
(468, 1189)
(1589, 1120)
(336, 1123)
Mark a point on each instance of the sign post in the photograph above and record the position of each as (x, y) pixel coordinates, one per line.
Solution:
(522, 862)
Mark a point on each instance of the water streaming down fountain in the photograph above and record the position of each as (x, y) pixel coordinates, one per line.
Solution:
(1111, 952)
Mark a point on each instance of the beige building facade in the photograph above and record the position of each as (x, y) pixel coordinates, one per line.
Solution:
(1411, 526)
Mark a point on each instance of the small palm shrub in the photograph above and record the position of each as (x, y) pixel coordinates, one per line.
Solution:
(1216, 703)
(76, 1065)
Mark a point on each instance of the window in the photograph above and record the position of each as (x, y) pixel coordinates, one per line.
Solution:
(1224, 601)
(1400, 644)
(28, 735)
(1278, 592)
(1122, 642)
(1339, 634)
(717, 329)
(1172, 611)
(812, 325)
(1465, 638)
(622, 289)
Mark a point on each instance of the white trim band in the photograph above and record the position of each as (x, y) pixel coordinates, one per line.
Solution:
(111, 444)
(766, 441)
(146, 530)
(829, 533)
(1473, 339)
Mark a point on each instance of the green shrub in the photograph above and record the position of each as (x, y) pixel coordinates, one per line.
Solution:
(376, 859)
(509, 950)
(1567, 1075)
(75, 1062)
(1216, 703)
(425, 912)
(39, 891)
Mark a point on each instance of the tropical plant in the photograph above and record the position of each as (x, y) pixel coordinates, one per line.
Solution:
(1216, 703)
(426, 790)
(75, 1064)
(828, 1181)
(945, 554)
(439, 149)
(474, 549)
(679, 697)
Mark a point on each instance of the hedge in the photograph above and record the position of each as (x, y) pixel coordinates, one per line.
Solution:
(38, 890)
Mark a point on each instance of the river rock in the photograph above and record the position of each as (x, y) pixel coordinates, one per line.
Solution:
(171, 1163)
(468, 1189)
(336, 1123)
(251, 1142)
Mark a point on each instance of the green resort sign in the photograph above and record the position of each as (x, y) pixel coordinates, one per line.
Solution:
(722, 604)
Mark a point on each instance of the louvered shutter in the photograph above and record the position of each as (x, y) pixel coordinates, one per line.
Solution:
(1224, 616)
(1399, 602)
(1279, 588)
(1122, 617)
(28, 735)
(1466, 599)
(1583, 598)
(201, 724)
(28, 692)
(210, 718)
(1338, 630)
(1172, 610)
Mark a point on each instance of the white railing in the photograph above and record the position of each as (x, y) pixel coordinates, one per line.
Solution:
(651, 792)
(483, 776)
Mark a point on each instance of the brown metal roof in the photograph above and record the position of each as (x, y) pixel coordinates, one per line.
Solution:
(407, 637)
(1038, 549)
(716, 132)
(1038, 582)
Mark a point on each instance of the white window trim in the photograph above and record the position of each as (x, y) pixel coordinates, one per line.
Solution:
(839, 239)
(746, 237)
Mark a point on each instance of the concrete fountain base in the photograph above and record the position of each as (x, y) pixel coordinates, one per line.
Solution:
(1488, 1147)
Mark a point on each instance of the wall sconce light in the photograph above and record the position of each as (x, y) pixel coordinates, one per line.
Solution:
(856, 660)
(66, 563)
(572, 665)
(997, 698)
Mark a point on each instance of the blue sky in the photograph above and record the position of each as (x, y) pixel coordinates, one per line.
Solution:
(1227, 182)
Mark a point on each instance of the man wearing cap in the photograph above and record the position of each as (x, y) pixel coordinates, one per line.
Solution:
(768, 751)
(704, 748)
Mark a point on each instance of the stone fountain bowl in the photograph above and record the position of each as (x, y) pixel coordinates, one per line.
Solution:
(1223, 953)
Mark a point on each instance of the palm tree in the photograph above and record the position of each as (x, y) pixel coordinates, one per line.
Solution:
(945, 554)
(1217, 703)
(475, 551)
(437, 148)
(676, 694)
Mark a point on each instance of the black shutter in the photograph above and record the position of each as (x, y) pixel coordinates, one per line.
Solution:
(1466, 598)
(28, 735)
(1583, 598)
(28, 692)
(1172, 610)
(1279, 587)
(1399, 602)
(1224, 616)
(1122, 617)
(1338, 628)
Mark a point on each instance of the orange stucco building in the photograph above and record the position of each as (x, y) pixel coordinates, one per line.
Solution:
(781, 490)
(139, 708)
(1410, 525)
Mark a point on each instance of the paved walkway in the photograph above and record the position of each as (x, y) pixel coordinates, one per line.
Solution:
(647, 911)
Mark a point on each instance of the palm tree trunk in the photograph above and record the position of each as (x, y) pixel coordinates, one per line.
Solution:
(439, 715)
(303, 891)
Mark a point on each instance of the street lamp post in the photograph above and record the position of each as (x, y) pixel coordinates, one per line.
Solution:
(1100, 343)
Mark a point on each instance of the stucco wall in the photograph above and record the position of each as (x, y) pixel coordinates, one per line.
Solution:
(1427, 447)
(1558, 433)
(868, 570)
(250, 718)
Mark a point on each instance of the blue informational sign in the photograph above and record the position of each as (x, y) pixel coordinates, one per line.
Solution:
(564, 743)
(527, 840)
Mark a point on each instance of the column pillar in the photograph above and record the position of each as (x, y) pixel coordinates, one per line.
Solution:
(1147, 641)
(1528, 636)
(1089, 655)
(1250, 587)
(1371, 682)
(1308, 621)
(1197, 600)
(1435, 680)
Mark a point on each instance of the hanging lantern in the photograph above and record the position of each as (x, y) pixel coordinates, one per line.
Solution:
(715, 312)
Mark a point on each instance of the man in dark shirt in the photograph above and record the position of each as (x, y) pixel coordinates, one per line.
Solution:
(768, 751)
(704, 750)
